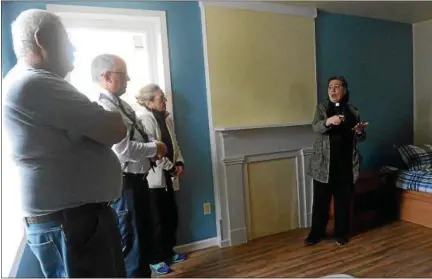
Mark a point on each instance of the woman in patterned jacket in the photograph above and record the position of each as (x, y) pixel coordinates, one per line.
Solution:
(335, 162)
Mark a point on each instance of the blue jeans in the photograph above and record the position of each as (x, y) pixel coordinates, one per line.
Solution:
(134, 228)
(82, 243)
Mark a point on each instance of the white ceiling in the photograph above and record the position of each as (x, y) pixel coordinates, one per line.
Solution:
(400, 11)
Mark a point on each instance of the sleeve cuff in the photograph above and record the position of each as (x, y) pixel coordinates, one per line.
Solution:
(325, 125)
(179, 164)
(152, 149)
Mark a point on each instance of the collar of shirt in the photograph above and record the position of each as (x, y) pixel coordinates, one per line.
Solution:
(107, 94)
(23, 66)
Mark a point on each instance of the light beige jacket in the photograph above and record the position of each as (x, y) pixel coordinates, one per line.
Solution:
(156, 177)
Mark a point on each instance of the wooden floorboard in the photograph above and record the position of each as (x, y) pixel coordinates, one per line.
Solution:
(401, 249)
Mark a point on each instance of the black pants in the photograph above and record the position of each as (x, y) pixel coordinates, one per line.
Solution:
(134, 222)
(341, 187)
(164, 215)
(80, 242)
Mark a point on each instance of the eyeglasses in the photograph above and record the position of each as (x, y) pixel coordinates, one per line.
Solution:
(162, 98)
(121, 73)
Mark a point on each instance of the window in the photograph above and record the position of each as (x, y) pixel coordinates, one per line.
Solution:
(11, 218)
(139, 37)
(12, 226)
(135, 48)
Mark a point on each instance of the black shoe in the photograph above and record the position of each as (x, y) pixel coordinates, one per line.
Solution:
(341, 241)
(310, 241)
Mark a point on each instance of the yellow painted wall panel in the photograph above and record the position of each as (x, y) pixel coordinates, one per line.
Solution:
(261, 67)
(272, 187)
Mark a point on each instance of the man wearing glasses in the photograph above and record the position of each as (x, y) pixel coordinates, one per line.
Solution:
(136, 155)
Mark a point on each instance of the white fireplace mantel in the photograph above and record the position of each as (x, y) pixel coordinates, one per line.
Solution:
(235, 148)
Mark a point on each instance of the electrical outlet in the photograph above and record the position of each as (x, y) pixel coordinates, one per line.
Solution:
(207, 208)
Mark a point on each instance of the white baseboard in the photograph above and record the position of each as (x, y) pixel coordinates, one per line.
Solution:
(225, 243)
(199, 245)
(238, 236)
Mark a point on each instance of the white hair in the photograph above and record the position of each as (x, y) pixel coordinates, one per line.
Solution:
(25, 26)
(147, 93)
(101, 64)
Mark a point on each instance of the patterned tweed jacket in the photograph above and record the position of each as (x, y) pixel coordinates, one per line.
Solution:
(319, 163)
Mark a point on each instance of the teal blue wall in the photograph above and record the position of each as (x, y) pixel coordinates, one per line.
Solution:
(376, 58)
(189, 100)
(9, 12)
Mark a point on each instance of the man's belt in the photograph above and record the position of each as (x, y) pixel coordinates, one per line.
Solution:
(59, 216)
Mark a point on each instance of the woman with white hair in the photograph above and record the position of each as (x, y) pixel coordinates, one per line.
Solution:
(163, 179)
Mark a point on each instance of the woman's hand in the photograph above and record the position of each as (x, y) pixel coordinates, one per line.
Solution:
(179, 171)
(335, 120)
(359, 127)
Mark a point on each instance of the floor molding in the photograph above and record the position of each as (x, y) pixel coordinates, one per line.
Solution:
(198, 245)
(225, 243)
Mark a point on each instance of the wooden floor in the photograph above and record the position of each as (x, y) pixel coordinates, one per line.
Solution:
(400, 249)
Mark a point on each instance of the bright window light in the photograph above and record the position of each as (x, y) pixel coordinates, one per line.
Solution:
(134, 48)
(12, 231)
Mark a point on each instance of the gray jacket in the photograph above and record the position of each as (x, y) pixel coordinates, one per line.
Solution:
(319, 163)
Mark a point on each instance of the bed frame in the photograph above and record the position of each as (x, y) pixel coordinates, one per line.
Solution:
(416, 207)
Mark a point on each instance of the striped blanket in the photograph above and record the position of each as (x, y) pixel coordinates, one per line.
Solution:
(414, 180)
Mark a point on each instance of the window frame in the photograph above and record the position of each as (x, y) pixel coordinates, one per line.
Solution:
(132, 20)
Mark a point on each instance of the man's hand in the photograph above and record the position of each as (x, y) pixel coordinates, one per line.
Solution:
(161, 149)
(335, 120)
(179, 171)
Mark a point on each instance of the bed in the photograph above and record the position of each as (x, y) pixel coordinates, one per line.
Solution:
(414, 195)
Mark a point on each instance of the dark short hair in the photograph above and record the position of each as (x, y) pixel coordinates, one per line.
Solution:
(341, 79)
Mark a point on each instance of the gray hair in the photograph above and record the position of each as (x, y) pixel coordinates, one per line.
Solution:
(101, 64)
(25, 26)
(147, 93)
